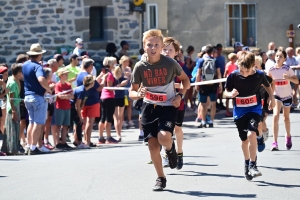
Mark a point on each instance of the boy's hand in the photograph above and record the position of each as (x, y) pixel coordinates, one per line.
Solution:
(234, 93)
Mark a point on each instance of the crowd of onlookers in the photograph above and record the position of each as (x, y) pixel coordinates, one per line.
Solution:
(40, 98)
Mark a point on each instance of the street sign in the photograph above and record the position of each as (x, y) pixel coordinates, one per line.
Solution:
(138, 2)
(290, 33)
(137, 6)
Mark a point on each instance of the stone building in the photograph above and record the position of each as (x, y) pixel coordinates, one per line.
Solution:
(253, 22)
(57, 23)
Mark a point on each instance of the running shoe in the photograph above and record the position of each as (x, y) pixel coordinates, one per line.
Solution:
(111, 140)
(44, 149)
(179, 161)
(172, 156)
(247, 173)
(119, 139)
(288, 143)
(124, 124)
(254, 171)
(266, 134)
(260, 144)
(141, 138)
(60, 146)
(165, 161)
(92, 145)
(2, 154)
(228, 114)
(130, 124)
(101, 141)
(49, 146)
(150, 162)
(82, 146)
(202, 125)
(36, 151)
(160, 184)
(274, 146)
(66, 146)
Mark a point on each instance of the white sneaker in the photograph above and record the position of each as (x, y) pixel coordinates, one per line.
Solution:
(44, 149)
(83, 146)
(124, 124)
(165, 161)
(266, 135)
(131, 124)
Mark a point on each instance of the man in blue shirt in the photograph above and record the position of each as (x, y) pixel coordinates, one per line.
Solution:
(220, 63)
(36, 86)
(206, 91)
(91, 108)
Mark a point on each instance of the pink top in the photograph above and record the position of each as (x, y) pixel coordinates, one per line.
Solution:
(107, 94)
(230, 67)
(283, 88)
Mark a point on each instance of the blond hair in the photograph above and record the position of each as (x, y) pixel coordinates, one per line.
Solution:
(118, 72)
(297, 51)
(232, 56)
(259, 59)
(122, 59)
(109, 61)
(153, 33)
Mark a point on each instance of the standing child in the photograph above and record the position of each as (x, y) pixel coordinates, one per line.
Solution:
(282, 76)
(230, 67)
(12, 122)
(244, 85)
(62, 112)
(81, 94)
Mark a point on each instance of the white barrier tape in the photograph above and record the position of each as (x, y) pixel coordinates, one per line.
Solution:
(116, 88)
(295, 67)
(209, 82)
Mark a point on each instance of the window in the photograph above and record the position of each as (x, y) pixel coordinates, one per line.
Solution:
(96, 23)
(152, 16)
(240, 24)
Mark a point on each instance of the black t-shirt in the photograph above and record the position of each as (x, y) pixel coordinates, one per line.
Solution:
(247, 86)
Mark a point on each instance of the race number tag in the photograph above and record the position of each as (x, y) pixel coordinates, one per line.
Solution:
(281, 82)
(246, 101)
(157, 97)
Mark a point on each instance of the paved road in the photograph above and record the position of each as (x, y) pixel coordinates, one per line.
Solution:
(213, 168)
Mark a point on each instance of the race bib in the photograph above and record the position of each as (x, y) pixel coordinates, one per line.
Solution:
(246, 101)
(281, 82)
(156, 97)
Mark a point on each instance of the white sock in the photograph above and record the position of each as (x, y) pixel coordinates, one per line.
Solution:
(32, 147)
(45, 141)
(141, 133)
(203, 122)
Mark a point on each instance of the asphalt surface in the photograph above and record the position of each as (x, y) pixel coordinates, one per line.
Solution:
(213, 168)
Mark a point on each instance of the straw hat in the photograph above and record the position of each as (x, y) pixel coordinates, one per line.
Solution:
(62, 71)
(35, 49)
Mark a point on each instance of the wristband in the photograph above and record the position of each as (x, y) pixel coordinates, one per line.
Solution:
(181, 95)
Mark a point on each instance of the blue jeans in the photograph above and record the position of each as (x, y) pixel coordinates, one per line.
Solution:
(37, 108)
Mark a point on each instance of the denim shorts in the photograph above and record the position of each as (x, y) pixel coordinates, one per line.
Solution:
(37, 108)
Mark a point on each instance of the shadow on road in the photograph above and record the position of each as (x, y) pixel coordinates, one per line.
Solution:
(281, 168)
(204, 165)
(207, 174)
(210, 194)
(264, 183)
(9, 159)
(3, 176)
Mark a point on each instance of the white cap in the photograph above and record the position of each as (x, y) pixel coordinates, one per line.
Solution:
(79, 40)
(203, 48)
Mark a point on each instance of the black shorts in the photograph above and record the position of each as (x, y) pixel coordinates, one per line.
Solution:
(23, 111)
(120, 102)
(0, 112)
(179, 118)
(285, 101)
(156, 118)
(51, 109)
(248, 122)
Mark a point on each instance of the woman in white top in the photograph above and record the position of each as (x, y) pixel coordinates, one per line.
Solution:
(282, 75)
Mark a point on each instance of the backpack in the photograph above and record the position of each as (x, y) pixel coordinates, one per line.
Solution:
(209, 69)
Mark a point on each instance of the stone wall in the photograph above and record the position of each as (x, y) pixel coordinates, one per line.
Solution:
(56, 23)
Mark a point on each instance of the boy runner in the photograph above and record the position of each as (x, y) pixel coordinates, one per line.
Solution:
(156, 74)
(244, 85)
